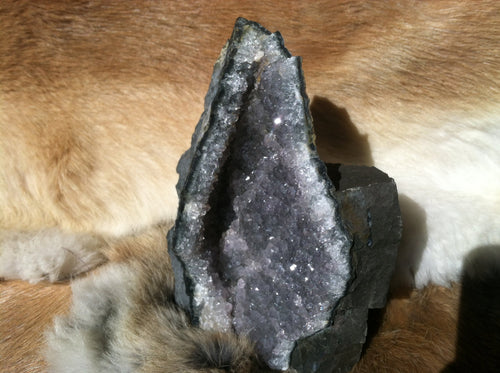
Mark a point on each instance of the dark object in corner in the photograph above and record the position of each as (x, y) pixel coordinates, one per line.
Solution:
(478, 339)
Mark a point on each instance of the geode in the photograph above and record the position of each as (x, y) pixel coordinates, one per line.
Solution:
(259, 246)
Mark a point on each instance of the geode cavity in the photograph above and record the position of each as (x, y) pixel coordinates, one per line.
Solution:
(258, 246)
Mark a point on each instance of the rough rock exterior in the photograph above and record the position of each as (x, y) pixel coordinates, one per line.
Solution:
(370, 209)
(259, 246)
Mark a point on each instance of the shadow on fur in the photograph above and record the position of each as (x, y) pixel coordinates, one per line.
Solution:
(411, 247)
(339, 141)
(478, 342)
(337, 138)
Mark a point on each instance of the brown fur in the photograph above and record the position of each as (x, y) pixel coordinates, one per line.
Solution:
(26, 311)
(416, 333)
(76, 94)
(99, 99)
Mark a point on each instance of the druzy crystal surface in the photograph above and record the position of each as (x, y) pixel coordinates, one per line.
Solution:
(258, 246)
(369, 208)
(269, 242)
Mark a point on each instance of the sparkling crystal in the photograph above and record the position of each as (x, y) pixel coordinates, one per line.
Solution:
(259, 246)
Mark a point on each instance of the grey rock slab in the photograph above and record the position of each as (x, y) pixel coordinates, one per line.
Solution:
(370, 209)
(258, 246)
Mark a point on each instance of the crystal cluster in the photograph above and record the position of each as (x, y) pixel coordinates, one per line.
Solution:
(259, 246)
(369, 208)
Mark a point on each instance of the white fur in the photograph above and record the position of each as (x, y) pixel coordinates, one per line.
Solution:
(76, 343)
(453, 177)
(47, 254)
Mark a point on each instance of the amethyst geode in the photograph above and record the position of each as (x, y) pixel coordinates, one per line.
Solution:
(258, 247)
(261, 246)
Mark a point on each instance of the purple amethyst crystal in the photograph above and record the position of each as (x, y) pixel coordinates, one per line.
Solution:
(258, 247)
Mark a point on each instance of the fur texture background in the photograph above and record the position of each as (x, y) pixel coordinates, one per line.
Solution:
(98, 100)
